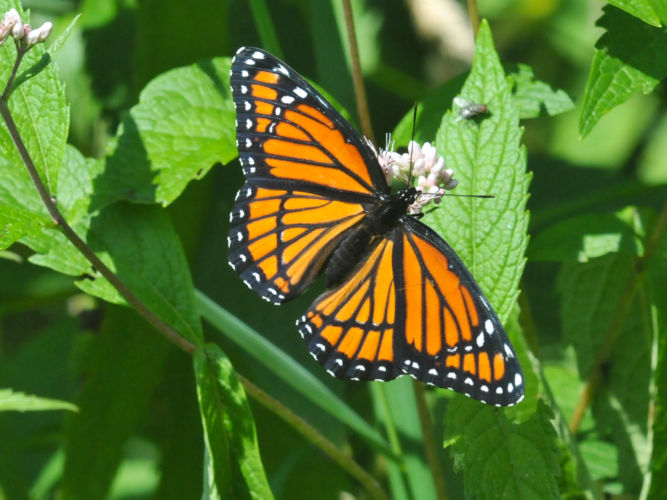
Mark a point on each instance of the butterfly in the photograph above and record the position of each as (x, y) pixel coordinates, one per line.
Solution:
(315, 201)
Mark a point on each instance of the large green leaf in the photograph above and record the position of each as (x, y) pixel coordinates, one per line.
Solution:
(123, 365)
(233, 467)
(182, 126)
(628, 58)
(37, 104)
(606, 314)
(487, 158)
(502, 459)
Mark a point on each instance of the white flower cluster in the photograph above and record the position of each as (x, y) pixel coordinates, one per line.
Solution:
(423, 163)
(12, 24)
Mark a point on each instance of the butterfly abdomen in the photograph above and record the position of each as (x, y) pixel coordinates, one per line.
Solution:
(379, 220)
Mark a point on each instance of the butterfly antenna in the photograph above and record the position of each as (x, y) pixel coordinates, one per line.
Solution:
(412, 138)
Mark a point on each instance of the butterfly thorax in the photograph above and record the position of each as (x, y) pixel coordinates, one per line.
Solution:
(380, 219)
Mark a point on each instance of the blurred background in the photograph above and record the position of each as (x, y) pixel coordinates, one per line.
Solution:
(51, 334)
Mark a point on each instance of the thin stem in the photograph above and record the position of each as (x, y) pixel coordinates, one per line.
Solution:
(618, 320)
(313, 435)
(357, 78)
(428, 437)
(85, 250)
(473, 13)
(20, 52)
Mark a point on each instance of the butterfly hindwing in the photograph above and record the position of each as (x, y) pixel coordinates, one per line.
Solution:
(279, 239)
(350, 329)
(451, 337)
(411, 307)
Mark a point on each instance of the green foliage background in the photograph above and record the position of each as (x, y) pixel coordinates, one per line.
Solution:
(131, 127)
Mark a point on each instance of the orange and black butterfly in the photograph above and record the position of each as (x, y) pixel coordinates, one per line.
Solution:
(315, 201)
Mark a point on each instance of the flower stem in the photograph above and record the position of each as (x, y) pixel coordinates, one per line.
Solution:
(357, 77)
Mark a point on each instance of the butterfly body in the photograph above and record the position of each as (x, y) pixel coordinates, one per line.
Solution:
(398, 300)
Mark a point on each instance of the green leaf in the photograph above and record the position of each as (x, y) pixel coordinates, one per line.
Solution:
(429, 113)
(37, 104)
(642, 9)
(286, 368)
(586, 237)
(18, 401)
(16, 223)
(122, 366)
(531, 95)
(142, 248)
(502, 459)
(182, 126)
(628, 58)
(401, 409)
(657, 276)
(606, 315)
(60, 41)
(233, 467)
(487, 158)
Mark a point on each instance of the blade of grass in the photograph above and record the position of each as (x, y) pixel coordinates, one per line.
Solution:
(287, 369)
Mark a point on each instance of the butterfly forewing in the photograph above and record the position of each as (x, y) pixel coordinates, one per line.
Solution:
(288, 134)
(306, 180)
(350, 329)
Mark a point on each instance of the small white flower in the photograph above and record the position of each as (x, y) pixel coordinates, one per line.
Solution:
(19, 29)
(39, 34)
(424, 164)
(9, 21)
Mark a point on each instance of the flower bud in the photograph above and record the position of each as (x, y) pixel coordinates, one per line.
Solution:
(39, 34)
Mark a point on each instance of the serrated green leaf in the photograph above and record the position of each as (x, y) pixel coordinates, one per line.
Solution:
(487, 158)
(628, 58)
(232, 463)
(123, 366)
(18, 401)
(531, 95)
(502, 459)
(37, 104)
(60, 41)
(182, 126)
(586, 237)
(642, 9)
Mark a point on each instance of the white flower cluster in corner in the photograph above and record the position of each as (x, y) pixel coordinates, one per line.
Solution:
(12, 25)
(421, 162)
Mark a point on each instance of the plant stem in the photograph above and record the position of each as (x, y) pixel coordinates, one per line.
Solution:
(81, 245)
(19, 57)
(429, 441)
(357, 77)
(473, 13)
(313, 435)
